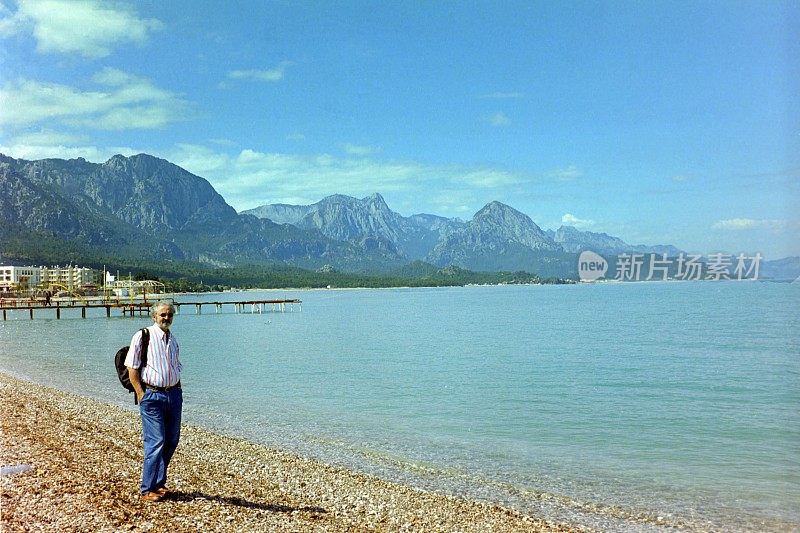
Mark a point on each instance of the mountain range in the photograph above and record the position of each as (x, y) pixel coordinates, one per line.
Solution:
(148, 208)
(498, 238)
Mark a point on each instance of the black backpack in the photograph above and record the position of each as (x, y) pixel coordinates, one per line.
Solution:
(119, 362)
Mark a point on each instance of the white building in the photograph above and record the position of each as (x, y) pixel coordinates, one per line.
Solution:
(71, 277)
(19, 277)
(31, 277)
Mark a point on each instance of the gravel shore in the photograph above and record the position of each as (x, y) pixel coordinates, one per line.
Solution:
(85, 460)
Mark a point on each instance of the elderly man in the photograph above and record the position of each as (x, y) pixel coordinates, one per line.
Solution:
(158, 389)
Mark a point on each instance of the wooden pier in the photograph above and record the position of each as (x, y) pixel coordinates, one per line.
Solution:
(142, 308)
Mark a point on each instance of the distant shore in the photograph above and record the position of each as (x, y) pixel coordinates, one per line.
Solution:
(366, 288)
(85, 465)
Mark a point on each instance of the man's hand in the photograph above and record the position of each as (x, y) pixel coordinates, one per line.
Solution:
(133, 374)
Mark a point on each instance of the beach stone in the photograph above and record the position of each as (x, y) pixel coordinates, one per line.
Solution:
(88, 458)
(10, 470)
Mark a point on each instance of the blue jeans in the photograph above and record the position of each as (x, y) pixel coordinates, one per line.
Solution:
(161, 431)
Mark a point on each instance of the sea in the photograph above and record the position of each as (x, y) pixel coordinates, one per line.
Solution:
(621, 406)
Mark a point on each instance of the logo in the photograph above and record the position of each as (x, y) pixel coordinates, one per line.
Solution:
(685, 267)
(591, 266)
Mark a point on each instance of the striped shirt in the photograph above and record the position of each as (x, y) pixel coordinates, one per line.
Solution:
(163, 362)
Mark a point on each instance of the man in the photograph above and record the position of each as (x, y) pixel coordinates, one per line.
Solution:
(158, 389)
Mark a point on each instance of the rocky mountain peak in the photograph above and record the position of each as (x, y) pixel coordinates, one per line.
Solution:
(499, 214)
(496, 231)
(143, 165)
(149, 193)
(366, 220)
(567, 230)
(346, 218)
(376, 201)
(118, 162)
(337, 199)
(499, 217)
(574, 240)
(495, 208)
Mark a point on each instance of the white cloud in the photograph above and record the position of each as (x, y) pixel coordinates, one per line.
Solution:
(47, 137)
(250, 178)
(9, 25)
(223, 142)
(499, 119)
(113, 77)
(566, 174)
(680, 178)
(455, 202)
(486, 178)
(35, 151)
(571, 220)
(274, 74)
(749, 223)
(198, 159)
(124, 102)
(87, 27)
(354, 149)
(735, 223)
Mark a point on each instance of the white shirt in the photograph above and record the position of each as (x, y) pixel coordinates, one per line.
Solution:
(163, 362)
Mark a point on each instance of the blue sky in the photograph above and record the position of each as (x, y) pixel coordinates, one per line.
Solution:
(658, 122)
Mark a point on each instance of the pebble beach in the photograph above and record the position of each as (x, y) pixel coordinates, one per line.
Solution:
(73, 464)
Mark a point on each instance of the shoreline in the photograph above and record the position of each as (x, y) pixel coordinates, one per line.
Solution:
(85, 459)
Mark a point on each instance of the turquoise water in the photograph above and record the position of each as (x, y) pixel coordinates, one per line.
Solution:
(625, 406)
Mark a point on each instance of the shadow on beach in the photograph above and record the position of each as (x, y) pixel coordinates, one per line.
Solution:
(241, 502)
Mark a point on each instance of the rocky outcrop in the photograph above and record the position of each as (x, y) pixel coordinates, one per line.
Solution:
(576, 241)
(280, 213)
(368, 222)
(499, 237)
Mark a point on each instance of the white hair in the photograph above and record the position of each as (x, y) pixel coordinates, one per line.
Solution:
(158, 305)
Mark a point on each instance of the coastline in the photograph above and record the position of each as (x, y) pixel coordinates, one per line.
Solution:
(86, 459)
